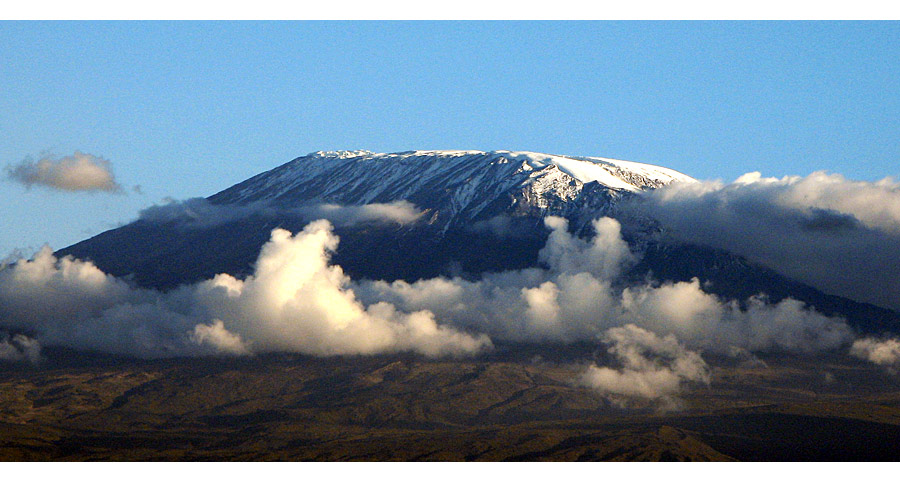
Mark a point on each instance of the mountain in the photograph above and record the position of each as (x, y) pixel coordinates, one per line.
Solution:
(458, 186)
(470, 206)
(420, 214)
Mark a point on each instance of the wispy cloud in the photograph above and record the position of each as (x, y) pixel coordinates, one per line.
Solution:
(200, 213)
(18, 348)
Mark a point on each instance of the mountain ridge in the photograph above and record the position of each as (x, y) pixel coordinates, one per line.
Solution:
(473, 212)
(464, 186)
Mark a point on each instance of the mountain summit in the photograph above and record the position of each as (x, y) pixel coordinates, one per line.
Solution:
(421, 214)
(453, 187)
(403, 215)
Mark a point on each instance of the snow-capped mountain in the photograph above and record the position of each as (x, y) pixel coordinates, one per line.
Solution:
(454, 187)
(475, 211)
(362, 177)
(421, 214)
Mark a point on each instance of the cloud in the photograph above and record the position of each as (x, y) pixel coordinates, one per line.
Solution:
(606, 255)
(295, 301)
(838, 235)
(880, 352)
(579, 296)
(401, 212)
(18, 348)
(702, 320)
(196, 213)
(219, 339)
(78, 172)
(652, 367)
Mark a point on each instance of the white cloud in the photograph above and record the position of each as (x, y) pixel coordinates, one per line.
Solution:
(880, 352)
(401, 212)
(578, 298)
(605, 255)
(652, 367)
(838, 235)
(78, 172)
(217, 337)
(295, 301)
(702, 320)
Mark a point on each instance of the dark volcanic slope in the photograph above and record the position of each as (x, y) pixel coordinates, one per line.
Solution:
(481, 211)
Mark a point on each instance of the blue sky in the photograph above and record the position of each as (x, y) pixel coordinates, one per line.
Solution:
(185, 109)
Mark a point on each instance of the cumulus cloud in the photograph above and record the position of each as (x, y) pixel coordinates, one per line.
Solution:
(295, 301)
(578, 298)
(880, 352)
(838, 235)
(78, 172)
(200, 213)
(652, 367)
(703, 320)
(18, 348)
(605, 255)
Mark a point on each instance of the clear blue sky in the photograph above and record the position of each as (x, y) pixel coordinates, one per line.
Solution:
(185, 109)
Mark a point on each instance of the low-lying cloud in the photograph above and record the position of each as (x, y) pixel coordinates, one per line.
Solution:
(884, 352)
(838, 235)
(652, 367)
(578, 298)
(401, 212)
(78, 172)
(295, 301)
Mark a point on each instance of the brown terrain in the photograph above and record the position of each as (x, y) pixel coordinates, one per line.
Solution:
(400, 407)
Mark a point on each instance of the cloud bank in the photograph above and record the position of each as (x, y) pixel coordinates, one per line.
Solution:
(78, 172)
(295, 301)
(579, 297)
(838, 235)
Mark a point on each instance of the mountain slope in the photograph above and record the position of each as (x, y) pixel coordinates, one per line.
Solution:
(456, 187)
(471, 206)
(470, 212)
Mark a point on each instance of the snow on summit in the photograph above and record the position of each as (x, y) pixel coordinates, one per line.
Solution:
(461, 184)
